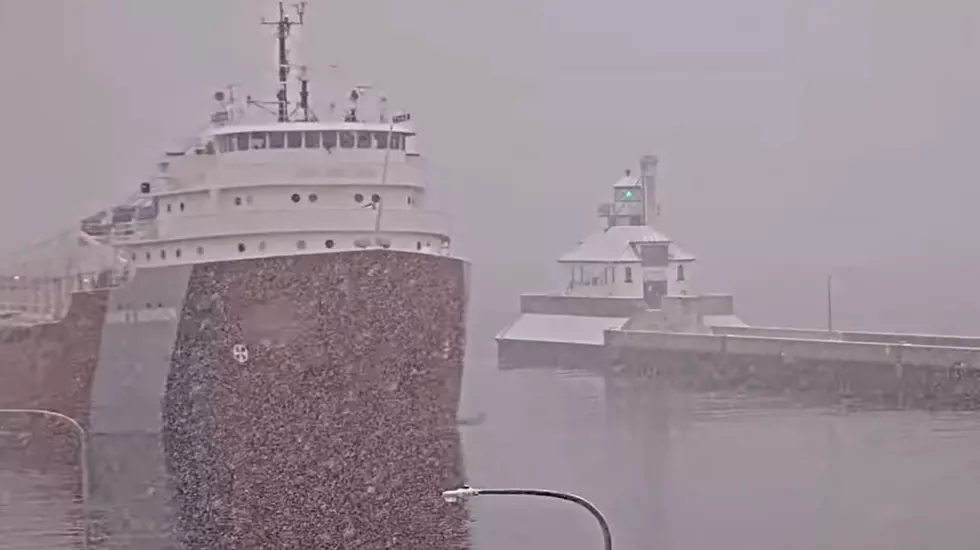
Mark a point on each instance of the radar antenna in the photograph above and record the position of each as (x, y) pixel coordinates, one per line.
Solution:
(283, 28)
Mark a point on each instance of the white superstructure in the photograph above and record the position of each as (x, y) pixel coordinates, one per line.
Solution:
(267, 178)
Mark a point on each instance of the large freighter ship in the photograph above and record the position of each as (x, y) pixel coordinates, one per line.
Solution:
(264, 344)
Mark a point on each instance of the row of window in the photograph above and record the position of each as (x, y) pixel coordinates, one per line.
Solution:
(295, 197)
(609, 276)
(307, 139)
(242, 247)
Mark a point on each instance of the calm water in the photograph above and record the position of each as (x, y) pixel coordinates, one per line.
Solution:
(697, 472)
(36, 510)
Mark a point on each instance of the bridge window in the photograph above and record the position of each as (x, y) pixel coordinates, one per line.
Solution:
(312, 140)
(329, 139)
(258, 140)
(276, 140)
(294, 140)
(397, 142)
(347, 140)
(242, 142)
(381, 138)
(364, 140)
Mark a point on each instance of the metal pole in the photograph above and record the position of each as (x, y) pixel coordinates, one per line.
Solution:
(455, 495)
(83, 459)
(384, 176)
(830, 303)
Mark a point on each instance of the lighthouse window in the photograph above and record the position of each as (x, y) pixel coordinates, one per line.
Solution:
(329, 140)
(242, 142)
(364, 140)
(259, 140)
(276, 140)
(347, 140)
(397, 142)
(382, 139)
(295, 140)
(312, 140)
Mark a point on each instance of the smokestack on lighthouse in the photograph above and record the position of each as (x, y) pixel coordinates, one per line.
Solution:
(648, 181)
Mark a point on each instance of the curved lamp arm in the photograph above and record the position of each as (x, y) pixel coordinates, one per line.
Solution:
(463, 493)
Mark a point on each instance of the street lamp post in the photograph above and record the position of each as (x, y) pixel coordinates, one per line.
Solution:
(456, 495)
(83, 458)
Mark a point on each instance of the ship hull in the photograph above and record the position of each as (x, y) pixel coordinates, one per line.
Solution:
(311, 403)
(287, 402)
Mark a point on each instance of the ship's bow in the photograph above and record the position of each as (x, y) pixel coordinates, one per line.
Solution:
(312, 402)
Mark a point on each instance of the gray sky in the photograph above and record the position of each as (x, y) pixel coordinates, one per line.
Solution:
(795, 136)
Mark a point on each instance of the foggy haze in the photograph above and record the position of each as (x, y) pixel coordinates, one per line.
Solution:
(796, 138)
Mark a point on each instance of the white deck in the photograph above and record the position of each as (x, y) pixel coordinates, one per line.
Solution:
(571, 329)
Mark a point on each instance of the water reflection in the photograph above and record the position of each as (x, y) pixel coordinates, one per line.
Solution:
(699, 471)
(672, 471)
(36, 509)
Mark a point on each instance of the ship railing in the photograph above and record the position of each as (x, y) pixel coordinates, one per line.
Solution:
(33, 300)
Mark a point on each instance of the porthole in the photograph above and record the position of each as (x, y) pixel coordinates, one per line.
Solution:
(375, 198)
(313, 197)
(177, 252)
(200, 250)
(358, 197)
(160, 304)
(149, 305)
(261, 246)
(295, 197)
(328, 243)
(238, 201)
(301, 245)
(241, 247)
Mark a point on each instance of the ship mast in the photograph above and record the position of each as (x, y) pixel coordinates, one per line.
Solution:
(283, 28)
